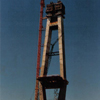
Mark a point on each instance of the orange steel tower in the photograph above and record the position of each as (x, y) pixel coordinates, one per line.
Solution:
(55, 14)
(39, 50)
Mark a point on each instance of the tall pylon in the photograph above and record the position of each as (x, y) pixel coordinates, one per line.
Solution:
(55, 14)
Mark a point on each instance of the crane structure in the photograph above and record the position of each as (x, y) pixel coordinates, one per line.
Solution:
(39, 49)
(55, 15)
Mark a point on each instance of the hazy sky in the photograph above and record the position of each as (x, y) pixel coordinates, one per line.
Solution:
(19, 41)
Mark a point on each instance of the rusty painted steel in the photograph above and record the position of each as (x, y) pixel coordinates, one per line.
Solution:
(39, 50)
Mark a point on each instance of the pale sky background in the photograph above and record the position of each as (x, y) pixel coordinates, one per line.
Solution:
(19, 41)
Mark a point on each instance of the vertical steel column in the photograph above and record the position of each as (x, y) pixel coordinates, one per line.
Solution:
(39, 50)
(62, 92)
(61, 47)
(44, 66)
